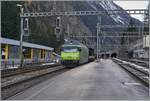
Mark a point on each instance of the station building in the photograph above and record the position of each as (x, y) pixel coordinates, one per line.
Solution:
(32, 53)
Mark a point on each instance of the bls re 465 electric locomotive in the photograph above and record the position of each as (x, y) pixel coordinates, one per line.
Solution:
(73, 54)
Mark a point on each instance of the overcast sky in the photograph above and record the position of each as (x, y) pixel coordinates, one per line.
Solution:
(133, 4)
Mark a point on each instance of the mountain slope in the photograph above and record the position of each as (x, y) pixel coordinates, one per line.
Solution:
(42, 29)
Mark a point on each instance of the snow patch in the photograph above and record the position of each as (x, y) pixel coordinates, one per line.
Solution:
(109, 5)
(92, 5)
(48, 63)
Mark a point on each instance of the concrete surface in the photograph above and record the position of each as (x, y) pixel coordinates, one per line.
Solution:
(93, 81)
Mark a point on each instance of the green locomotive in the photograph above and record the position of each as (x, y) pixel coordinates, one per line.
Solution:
(73, 54)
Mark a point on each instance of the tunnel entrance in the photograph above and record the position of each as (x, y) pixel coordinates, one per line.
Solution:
(107, 56)
(113, 55)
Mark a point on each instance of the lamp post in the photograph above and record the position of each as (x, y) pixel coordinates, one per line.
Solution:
(21, 35)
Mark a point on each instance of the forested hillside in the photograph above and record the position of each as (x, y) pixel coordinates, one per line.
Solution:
(11, 26)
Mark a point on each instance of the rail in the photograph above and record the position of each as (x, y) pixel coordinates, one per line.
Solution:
(25, 69)
(144, 63)
(22, 79)
(14, 63)
(138, 71)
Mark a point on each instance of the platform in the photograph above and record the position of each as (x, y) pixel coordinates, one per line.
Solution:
(103, 80)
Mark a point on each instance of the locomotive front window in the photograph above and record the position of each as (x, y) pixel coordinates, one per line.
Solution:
(70, 49)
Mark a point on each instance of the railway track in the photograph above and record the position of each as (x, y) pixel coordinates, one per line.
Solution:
(138, 62)
(17, 82)
(139, 72)
(25, 69)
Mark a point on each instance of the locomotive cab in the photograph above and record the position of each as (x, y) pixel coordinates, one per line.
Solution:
(70, 55)
(73, 54)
